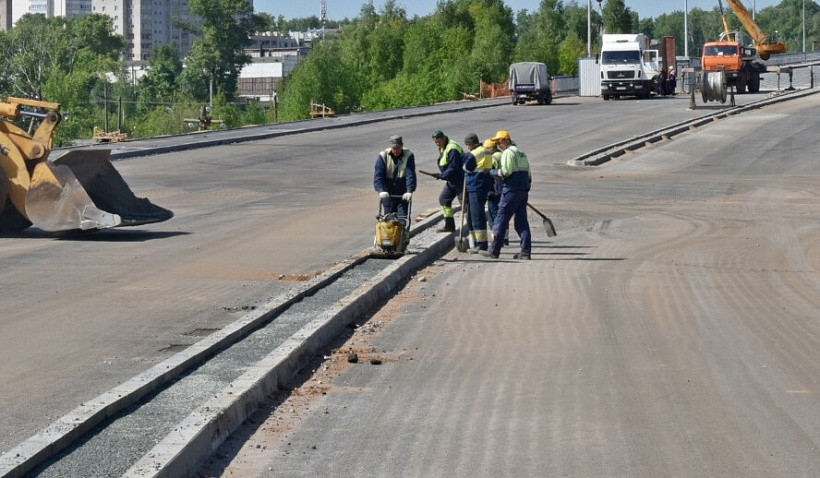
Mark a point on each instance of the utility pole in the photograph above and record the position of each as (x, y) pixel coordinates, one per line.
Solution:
(589, 28)
(323, 17)
(686, 29)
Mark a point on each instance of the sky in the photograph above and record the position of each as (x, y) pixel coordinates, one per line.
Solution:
(339, 9)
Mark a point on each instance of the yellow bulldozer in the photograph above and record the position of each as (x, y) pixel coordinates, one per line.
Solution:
(79, 191)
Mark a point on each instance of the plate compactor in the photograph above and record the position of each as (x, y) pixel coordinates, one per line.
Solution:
(392, 233)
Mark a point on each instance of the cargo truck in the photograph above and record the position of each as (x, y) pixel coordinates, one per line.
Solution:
(628, 66)
(530, 81)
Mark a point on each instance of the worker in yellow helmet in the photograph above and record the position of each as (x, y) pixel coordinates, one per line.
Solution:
(514, 174)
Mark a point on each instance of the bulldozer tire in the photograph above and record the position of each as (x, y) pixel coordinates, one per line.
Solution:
(10, 219)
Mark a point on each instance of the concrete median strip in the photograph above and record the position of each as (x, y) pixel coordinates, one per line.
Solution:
(216, 419)
(182, 451)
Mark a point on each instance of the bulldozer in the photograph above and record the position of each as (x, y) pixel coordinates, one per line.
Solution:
(79, 191)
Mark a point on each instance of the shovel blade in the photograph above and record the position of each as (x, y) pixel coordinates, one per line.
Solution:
(462, 244)
(549, 227)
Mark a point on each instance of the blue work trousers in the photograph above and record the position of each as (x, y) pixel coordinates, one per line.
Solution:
(478, 218)
(513, 206)
(395, 204)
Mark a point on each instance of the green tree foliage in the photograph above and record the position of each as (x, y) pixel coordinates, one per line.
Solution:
(217, 53)
(569, 51)
(39, 49)
(785, 22)
(545, 31)
(160, 83)
(165, 120)
(62, 61)
(618, 18)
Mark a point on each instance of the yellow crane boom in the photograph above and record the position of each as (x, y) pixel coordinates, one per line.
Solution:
(764, 48)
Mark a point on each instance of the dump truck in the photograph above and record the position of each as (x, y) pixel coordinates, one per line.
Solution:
(736, 58)
(79, 191)
(530, 81)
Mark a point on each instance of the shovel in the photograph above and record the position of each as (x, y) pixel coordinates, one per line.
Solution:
(463, 242)
(547, 222)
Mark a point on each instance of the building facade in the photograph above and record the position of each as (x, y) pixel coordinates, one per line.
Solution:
(148, 25)
(58, 8)
(6, 15)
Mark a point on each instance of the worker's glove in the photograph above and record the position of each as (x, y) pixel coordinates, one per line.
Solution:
(384, 194)
(406, 197)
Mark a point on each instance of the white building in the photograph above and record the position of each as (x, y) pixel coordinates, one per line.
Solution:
(6, 15)
(147, 24)
(51, 8)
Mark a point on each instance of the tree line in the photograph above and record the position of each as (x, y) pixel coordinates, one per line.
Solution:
(381, 59)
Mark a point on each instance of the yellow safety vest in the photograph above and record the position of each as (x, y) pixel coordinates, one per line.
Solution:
(395, 168)
(443, 160)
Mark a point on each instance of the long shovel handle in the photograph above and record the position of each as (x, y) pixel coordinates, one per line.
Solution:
(428, 173)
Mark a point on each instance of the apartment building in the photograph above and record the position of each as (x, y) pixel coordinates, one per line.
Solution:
(50, 8)
(148, 24)
(6, 15)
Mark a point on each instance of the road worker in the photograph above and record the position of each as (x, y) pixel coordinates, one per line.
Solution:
(450, 170)
(395, 177)
(494, 196)
(514, 174)
(478, 162)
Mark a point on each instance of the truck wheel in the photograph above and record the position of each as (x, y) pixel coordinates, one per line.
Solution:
(606, 97)
(754, 83)
(740, 84)
(548, 98)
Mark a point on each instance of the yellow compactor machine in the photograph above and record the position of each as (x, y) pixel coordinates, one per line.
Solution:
(80, 191)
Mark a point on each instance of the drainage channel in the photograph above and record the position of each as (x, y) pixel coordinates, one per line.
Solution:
(173, 422)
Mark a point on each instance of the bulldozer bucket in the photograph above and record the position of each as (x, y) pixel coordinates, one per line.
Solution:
(82, 191)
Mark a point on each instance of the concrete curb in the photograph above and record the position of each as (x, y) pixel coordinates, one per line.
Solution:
(199, 140)
(66, 430)
(615, 150)
(183, 450)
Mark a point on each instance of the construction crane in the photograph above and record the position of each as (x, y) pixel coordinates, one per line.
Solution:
(764, 48)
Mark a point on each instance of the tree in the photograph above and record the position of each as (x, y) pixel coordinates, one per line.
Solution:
(570, 50)
(618, 18)
(217, 55)
(545, 32)
(160, 85)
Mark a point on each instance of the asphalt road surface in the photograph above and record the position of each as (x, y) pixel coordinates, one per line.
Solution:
(672, 328)
(695, 260)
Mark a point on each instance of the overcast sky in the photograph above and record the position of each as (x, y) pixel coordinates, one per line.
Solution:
(339, 9)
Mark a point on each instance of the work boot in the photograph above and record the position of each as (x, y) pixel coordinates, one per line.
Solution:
(522, 256)
(449, 225)
(479, 246)
(488, 254)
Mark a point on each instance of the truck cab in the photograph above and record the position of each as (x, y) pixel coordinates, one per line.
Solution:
(628, 67)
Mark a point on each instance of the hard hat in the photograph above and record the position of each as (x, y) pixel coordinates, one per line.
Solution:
(501, 135)
(488, 143)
